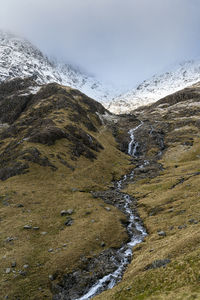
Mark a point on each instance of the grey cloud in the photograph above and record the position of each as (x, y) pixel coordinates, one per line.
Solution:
(123, 41)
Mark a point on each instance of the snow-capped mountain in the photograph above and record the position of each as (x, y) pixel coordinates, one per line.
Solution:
(19, 58)
(157, 87)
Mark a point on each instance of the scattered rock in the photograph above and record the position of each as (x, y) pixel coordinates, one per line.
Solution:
(88, 213)
(20, 205)
(108, 208)
(43, 233)
(64, 245)
(92, 221)
(193, 221)
(8, 270)
(50, 250)
(69, 221)
(9, 239)
(103, 244)
(13, 264)
(51, 277)
(27, 227)
(36, 228)
(182, 226)
(66, 212)
(162, 233)
(22, 273)
(26, 266)
(70, 211)
(157, 264)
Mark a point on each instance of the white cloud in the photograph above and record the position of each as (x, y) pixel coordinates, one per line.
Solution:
(124, 41)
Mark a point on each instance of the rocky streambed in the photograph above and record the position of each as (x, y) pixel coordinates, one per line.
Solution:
(103, 272)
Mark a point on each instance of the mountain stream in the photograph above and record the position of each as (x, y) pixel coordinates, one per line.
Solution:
(135, 229)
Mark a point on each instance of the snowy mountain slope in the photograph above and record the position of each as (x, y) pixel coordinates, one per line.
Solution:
(157, 87)
(19, 58)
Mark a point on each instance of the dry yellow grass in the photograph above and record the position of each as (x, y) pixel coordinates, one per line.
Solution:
(44, 193)
(164, 206)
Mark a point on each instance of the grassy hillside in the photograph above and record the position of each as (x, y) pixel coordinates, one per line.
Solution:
(54, 151)
(167, 264)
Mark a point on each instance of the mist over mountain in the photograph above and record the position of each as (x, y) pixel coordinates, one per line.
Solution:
(122, 42)
(20, 58)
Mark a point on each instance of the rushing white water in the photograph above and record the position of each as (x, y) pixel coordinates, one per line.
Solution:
(132, 147)
(135, 230)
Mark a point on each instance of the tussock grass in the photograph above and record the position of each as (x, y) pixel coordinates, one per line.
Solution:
(164, 203)
(43, 194)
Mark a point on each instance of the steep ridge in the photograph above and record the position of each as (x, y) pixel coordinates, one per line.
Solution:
(166, 265)
(54, 150)
(19, 58)
(62, 161)
(159, 86)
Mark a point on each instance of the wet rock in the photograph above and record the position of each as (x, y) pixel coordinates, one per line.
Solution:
(76, 283)
(157, 264)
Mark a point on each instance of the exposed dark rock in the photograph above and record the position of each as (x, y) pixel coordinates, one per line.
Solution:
(74, 284)
(12, 170)
(69, 221)
(47, 135)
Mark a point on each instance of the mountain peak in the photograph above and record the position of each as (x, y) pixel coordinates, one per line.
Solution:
(20, 58)
(181, 76)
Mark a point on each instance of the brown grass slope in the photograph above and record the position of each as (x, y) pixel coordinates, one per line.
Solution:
(54, 150)
(169, 202)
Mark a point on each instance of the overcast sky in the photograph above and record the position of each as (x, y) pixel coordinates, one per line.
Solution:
(122, 41)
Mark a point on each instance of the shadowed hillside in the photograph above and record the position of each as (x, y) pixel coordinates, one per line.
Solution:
(54, 151)
(61, 211)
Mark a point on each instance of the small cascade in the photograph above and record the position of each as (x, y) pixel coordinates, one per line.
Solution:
(135, 231)
(133, 145)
